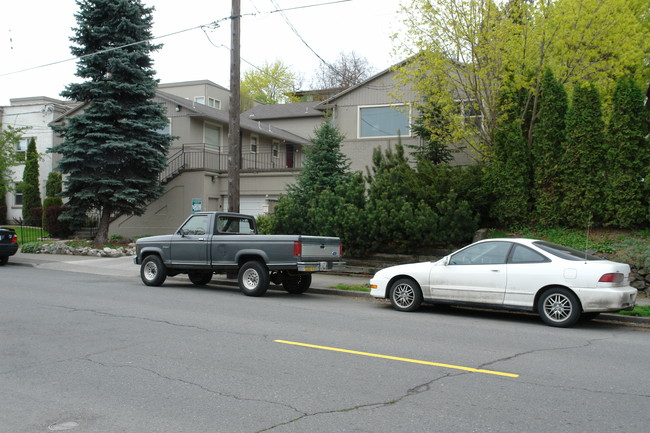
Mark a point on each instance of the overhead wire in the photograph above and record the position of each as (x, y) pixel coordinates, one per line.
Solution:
(213, 23)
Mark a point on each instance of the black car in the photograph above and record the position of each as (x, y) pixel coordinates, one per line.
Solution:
(8, 244)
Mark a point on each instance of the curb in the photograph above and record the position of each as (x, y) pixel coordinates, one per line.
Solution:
(603, 317)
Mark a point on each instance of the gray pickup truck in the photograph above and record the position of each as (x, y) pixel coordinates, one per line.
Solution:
(228, 243)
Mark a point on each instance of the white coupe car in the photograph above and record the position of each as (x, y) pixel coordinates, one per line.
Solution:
(561, 284)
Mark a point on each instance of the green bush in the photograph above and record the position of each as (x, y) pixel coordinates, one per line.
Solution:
(53, 224)
(31, 247)
(635, 252)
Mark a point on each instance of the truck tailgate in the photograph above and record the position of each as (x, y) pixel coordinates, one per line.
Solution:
(320, 248)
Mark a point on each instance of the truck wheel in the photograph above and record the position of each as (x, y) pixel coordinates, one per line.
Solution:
(253, 278)
(153, 271)
(297, 284)
(200, 278)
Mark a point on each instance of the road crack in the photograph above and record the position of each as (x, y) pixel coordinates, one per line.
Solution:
(409, 393)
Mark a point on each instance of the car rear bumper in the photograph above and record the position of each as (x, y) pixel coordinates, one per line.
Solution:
(8, 249)
(319, 266)
(607, 299)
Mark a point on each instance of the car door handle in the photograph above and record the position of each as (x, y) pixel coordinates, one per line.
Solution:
(201, 239)
(495, 270)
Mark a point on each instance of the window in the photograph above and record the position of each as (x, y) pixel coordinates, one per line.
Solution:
(471, 112)
(212, 137)
(214, 103)
(196, 225)
(167, 129)
(565, 253)
(275, 148)
(235, 225)
(384, 121)
(522, 254)
(21, 148)
(486, 253)
(254, 142)
(18, 195)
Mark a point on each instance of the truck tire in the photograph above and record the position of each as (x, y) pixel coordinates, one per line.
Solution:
(297, 284)
(200, 278)
(153, 271)
(253, 278)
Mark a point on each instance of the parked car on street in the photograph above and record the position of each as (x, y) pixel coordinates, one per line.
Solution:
(560, 284)
(8, 244)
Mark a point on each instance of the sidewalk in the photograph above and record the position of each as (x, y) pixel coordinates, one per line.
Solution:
(322, 282)
(124, 267)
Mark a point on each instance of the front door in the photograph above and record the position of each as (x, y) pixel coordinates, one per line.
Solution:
(475, 274)
(190, 243)
(290, 155)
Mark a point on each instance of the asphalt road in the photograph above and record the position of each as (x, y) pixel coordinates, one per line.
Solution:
(85, 352)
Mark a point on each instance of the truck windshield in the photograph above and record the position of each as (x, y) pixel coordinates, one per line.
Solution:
(235, 225)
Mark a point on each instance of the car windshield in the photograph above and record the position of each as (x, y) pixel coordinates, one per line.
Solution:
(566, 253)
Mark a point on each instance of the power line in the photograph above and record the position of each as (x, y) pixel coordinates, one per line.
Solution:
(213, 23)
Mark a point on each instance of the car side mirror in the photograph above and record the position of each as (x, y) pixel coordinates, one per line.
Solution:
(445, 260)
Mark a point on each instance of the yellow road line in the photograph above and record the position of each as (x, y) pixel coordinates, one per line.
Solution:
(395, 358)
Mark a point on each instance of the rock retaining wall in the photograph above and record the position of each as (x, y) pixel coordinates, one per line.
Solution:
(62, 248)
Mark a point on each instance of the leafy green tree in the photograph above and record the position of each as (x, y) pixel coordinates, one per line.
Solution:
(273, 83)
(549, 136)
(112, 151)
(628, 153)
(32, 205)
(468, 48)
(9, 138)
(584, 155)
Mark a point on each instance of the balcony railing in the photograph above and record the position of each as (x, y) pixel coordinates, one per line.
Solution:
(203, 157)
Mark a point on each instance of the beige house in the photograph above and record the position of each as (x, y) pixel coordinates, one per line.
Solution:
(274, 139)
(197, 173)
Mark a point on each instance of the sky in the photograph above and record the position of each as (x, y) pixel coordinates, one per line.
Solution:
(35, 45)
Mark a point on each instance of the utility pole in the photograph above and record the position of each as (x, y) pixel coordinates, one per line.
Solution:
(234, 136)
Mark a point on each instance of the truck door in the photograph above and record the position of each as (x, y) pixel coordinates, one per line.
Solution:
(190, 243)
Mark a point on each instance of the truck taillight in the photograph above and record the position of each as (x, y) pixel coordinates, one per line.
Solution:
(340, 250)
(297, 249)
(611, 278)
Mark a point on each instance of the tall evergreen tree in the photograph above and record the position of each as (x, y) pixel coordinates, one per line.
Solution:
(326, 168)
(549, 135)
(434, 131)
(112, 152)
(509, 173)
(32, 205)
(628, 153)
(583, 162)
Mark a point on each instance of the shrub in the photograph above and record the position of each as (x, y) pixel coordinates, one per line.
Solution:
(31, 247)
(56, 227)
(635, 252)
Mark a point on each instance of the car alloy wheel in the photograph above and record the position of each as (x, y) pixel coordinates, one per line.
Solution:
(559, 307)
(405, 295)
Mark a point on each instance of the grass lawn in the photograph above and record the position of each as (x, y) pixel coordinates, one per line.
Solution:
(639, 311)
(356, 288)
(28, 234)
